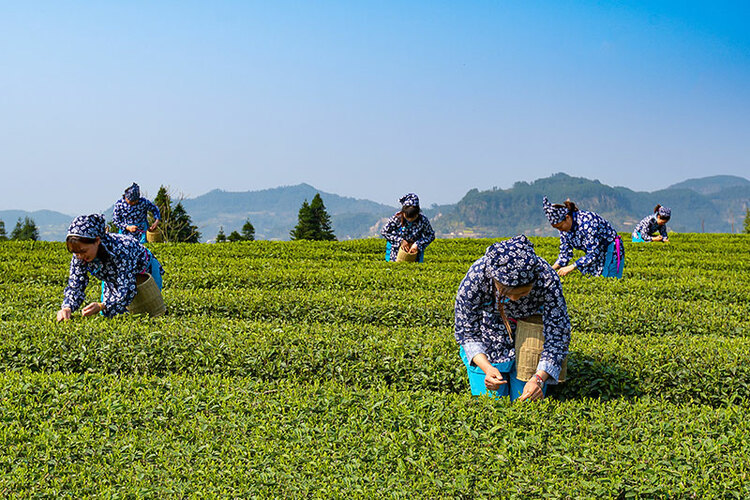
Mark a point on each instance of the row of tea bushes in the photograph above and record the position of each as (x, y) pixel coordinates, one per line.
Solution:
(317, 369)
(209, 436)
(681, 368)
(604, 310)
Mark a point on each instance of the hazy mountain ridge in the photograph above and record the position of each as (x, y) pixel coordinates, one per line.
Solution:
(273, 212)
(713, 184)
(52, 225)
(710, 204)
(519, 209)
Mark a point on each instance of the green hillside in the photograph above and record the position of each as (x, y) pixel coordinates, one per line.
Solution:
(712, 184)
(52, 225)
(310, 369)
(506, 212)
(711, 204)
(274, 211)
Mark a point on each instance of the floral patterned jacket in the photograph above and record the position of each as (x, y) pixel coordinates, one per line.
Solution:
(649, 226)
(479, 328)
(419, 231)
(590, 233)
(125, 258)
(125, 215)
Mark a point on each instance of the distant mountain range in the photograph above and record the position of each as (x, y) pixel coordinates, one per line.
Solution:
(710, 204)
(52, 225)
(273, 212)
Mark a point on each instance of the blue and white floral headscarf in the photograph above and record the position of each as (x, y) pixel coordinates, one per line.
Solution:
(133, 193)
(409, 200)
(88, 226)
(665, 212)
(555, 215)
(512, 262)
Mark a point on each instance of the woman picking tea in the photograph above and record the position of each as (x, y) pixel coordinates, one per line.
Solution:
(656, 222)
(587, 231)
(113, 258)
(130, 214)
(510, 283)
(408, 230)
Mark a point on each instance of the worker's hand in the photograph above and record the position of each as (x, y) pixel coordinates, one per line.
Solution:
(657, 238)
(92, 309)
(565, 270)
(493, 379)
(132, 229)
(154, 225)
(414, 248)
(64, 314)
(532, 391)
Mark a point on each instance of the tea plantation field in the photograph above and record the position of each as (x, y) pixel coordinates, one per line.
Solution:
(305, 369)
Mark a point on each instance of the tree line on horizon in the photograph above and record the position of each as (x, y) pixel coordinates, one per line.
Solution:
(313, 223)
(25, 230)
(176, 225)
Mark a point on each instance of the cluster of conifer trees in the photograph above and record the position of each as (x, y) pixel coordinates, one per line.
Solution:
(24, 230)
(313, 223)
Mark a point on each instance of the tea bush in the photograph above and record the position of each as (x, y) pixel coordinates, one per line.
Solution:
(317, 369)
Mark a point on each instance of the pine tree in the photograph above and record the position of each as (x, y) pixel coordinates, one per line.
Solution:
(181, 226)
(3, 235)
(324, 231)
(305, 228)
(248, 231)
(175, 223)
(234, 236)
(747, 220)
(221, 237)
(314, 223)
(26, 230)
(164, 202)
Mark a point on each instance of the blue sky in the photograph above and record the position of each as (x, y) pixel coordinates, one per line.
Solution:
(365, 99)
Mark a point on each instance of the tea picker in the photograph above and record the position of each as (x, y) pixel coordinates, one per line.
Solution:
(587, 231)
(130, 214)
(408, 232)
(656, 222)
(512, 322)
(131, 276)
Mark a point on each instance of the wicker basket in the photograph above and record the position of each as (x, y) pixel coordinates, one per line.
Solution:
(154, 236)
(148, 299)
(529, 345)
(404, 256)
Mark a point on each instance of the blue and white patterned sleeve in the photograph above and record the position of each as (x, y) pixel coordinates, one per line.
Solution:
(663, 231)
(122, 294)
(566, 251)
(391, 230)
(427, 235)
(556, 327)
(151, 207)
(468, 311)
(594, 246)
(643, 228)
(118, 216)
(595, 234)
(75, 292)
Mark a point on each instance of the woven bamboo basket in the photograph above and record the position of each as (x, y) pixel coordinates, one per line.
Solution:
(154, 236)
(148, 299)
(404, 256)
(529, 345)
